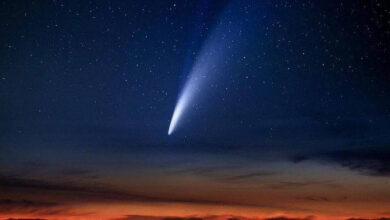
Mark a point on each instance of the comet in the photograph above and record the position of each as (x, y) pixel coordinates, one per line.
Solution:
(190, 90)
(218, 52)
(201, 75)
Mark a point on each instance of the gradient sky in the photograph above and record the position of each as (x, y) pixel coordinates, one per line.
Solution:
(292, 121)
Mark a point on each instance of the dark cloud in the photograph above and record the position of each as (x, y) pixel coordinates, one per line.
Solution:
(17, 182)
(290, 218)
(26, 219)
(27, 206)
(98, 192)
(294, 185)
(372, 161)
(314, 198)
(383, 218)
(79, 173)
(137, 217)
(183, 218)
(224, 173)
(8, 206)
(140, 217)
(204, 170)
(36, 207)
(76, 172)
(211, 217)
(322, 198)
(26, 203)
(252, 175)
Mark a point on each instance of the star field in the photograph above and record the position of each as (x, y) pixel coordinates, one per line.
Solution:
(291, 120)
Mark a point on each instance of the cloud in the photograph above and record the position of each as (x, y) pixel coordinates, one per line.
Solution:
(211, 217)
(95, 192)
(25, 203)
(383, 218)
(374, 161)
(79, 173)
(8, 206)
(73, 171)
(225, 173)
(204, 170)
(36, 208)
(184, 218)
(290, 218)
(314, 198)
(251, 175)
(26, 219)
(294, 185)
(17, 182)
(27, 206)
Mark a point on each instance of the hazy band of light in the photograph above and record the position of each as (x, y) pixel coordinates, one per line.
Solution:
(189, 91)
(215, 55)
(205, 66)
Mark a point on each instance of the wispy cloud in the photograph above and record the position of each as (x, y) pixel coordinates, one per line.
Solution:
(314, 198)
(251, 175)
(294, 185)
(98, 192)
(26, 219)
(374, 161)
(225, 173)
(211, 217)
(36, 208)
(29, 206)
(290, 218)
(79, 173)
(382, 218)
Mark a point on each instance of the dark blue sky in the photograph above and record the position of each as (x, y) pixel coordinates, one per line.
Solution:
(92, 86)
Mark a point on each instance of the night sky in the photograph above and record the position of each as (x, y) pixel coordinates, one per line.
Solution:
(282, 110)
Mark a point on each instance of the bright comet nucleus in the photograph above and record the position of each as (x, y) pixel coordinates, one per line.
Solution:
(218, 52)
(177, 113)
(205, 67)
(191, 88)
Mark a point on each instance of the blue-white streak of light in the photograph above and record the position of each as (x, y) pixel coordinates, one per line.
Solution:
(204, 68)
(215, 55)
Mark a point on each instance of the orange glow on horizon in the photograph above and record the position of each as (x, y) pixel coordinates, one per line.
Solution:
(112, 211)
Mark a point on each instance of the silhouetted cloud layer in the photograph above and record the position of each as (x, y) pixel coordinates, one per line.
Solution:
(211, 217)
(26, 206)
(373, 161)
(26, 219)
(290, 218)
(368, 218)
